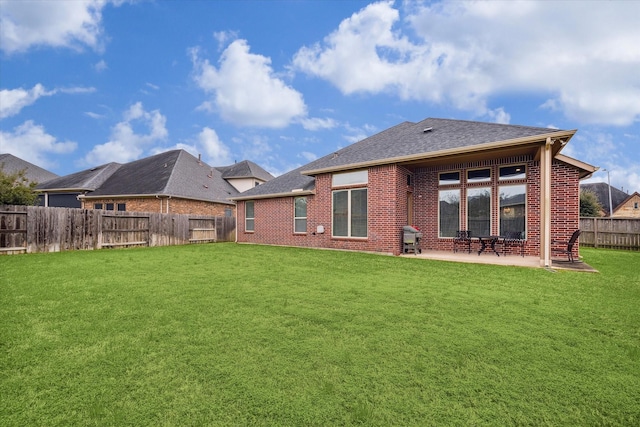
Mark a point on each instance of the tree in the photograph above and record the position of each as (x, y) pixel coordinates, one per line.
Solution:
(16, 189)
(589, 204)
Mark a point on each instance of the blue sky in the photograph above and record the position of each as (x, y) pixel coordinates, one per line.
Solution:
(83, 83)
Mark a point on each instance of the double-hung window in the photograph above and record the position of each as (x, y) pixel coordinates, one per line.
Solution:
(249, 216)
(300, 215)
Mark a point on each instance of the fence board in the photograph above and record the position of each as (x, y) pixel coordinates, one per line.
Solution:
(39, 229)
(616, 233)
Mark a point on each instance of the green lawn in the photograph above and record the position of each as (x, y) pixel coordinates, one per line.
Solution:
(227, 334)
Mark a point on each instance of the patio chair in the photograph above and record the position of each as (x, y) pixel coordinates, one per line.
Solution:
(513, 238)
(463, 237)
(569, 249)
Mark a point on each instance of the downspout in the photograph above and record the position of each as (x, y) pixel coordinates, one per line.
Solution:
(545, 204)
(236, 239)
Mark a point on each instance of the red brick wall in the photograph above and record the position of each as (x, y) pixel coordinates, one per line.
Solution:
(565, 204)
(387, 209)
(175, 205)
(386, 215)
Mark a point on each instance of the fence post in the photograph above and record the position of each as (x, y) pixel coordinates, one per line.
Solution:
(595, 232)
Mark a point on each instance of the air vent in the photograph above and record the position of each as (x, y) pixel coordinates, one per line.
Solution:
(429, 129)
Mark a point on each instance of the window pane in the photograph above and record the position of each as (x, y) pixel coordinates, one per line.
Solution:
(359, 213)
(513, 172)
(479, 175)
(300, 207)
(249, 216)
(449, 178)
(449, 212)
(513, 212)
(109, 206)
(300, 225)
(479, 211)
(350, 178)
(97, 206)
(122, 206)
(340, 213)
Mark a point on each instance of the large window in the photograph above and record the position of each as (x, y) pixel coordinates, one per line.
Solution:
(300, 215)
(479, 211)
(513, 209)
(350, 213)
(249, 216)
(449, 213)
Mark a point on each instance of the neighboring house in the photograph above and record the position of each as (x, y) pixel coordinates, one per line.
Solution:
(438, 175)
(244, 175)
(629, 208)
(169, 182)
(618, 198)
(11, 164)
(63, 192)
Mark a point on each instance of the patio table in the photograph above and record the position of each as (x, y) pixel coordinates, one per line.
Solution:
(488, 240)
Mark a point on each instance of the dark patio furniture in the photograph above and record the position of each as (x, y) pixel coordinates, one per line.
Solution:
(463, 238)
(411, 239)
(569, 249)
(515, 239)
(490, 241)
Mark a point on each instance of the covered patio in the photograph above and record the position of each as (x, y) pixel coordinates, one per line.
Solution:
(491, 258)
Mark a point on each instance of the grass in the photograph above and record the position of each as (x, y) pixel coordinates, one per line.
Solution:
(229, 334)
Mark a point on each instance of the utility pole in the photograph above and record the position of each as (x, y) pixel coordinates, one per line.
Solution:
(609, 185)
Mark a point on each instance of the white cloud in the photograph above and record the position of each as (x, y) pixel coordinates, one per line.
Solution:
(30, 142)
(308, 156)
(100, 66)
(72, 24)
(499, 116)
(216, 152)
(584, 60)
(313, 124)
(12, 101)
(126, 144)
(245, 90)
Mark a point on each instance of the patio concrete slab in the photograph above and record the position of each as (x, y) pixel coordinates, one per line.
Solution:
(491, 258)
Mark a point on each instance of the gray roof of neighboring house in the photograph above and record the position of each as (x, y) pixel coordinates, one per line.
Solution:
(601, 190)
(12, 164)
(86, 180)
(405, 139)
(245, 169)
(173, 173)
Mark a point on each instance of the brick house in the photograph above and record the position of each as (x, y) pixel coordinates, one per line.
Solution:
(169, 182)
(438, 175)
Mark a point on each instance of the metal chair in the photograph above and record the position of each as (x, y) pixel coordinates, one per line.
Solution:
(569, 249)
(513, 238)
(463, 237)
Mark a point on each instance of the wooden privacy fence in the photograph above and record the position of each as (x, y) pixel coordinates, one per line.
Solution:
(30, 229)
(616, 233)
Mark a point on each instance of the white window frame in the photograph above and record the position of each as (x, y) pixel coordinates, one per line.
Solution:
(249, 218)
(349, 214)
(297, 219)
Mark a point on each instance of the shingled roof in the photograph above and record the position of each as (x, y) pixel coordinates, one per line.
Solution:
(11, 164)
(244, 169)
(404, 142)
(86, 180)
(173, 173)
